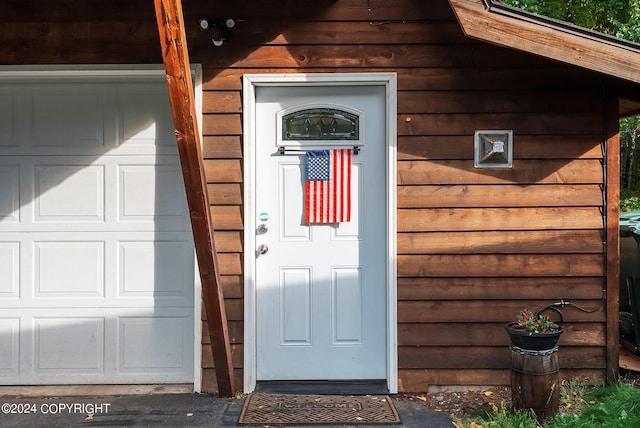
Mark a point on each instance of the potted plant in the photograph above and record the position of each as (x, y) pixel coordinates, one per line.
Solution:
(534, 331)
(534, 363)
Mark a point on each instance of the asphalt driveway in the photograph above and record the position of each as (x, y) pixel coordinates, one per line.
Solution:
(160, 410)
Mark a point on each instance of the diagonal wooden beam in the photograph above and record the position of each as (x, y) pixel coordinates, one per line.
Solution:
(173, 42)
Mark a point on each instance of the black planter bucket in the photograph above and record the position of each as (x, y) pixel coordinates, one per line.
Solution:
(533, 341)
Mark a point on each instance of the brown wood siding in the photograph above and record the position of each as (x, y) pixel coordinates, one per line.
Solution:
(474, 245)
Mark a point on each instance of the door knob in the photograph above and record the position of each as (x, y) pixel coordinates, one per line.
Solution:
(262, 249)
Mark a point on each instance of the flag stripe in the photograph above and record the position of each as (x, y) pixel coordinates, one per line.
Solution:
(328, 192)
(348, 190)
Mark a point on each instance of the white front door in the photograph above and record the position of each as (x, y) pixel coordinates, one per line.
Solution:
(321, 289)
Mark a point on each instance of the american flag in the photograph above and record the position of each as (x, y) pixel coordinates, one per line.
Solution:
(328, 186)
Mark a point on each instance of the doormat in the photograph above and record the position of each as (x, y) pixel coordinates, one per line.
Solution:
(265, 409)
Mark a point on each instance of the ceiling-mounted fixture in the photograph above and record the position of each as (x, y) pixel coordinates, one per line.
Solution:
(220, 28)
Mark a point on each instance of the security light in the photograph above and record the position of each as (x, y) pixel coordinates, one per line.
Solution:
(220, 28)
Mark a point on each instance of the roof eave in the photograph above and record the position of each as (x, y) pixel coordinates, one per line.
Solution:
(496, 23)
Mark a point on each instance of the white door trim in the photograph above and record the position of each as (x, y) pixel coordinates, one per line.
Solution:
(250, 82)
(130, 73)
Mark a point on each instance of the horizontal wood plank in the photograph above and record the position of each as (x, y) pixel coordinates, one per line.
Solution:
(497, 242)
(348, 33)
(222, 124)
(324, 10)
(223, 170)
(511, 265)
(221, 102)
(420, 380)
(453, 357)
(225, 193)
(418, 102)
(469, 196)
(356, 55)
(442, 147)
(520, 123)
(432, 78)
(235, 309)
(229, 264)
(438, 335)
(505, 288)
(497, 219)
(227, 217)
(523, 172)
(228, 242)
(490, 357)
(222, 147)
(233, 286)
(483, 311)
(59, 10)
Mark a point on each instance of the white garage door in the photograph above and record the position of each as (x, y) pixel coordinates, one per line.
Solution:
(96, 254)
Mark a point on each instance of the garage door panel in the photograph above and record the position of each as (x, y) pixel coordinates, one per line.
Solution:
(69, 116)
(9, 347)
(8, 113)
(53, 192)
(89, 345)
(97, 265)
(145, 117)
(160, 269)
(69, 345)
(151, 193)
(9, 194)
(98, 119)
(68, 193)
(97, 269)
(9, 270)
(154, 344)
(69, 269)
(112, 193)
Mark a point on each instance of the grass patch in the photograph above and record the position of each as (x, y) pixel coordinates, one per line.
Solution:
(607, 406)
(572, 395)
(612, 406)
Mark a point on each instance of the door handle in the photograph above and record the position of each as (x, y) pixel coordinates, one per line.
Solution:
(262, 249)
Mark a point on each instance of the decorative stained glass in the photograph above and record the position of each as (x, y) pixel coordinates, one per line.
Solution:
(320, 124)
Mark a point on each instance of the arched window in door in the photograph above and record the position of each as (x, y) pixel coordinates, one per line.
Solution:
(320, 124)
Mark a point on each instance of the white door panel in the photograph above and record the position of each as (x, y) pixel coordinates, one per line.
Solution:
(109, 193)
(96, 254)
(321, 288)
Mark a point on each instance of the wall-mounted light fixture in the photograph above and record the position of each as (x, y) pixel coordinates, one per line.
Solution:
(493, 149)
(220, 28)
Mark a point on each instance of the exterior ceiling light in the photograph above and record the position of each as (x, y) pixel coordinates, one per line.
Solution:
(219, 28)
